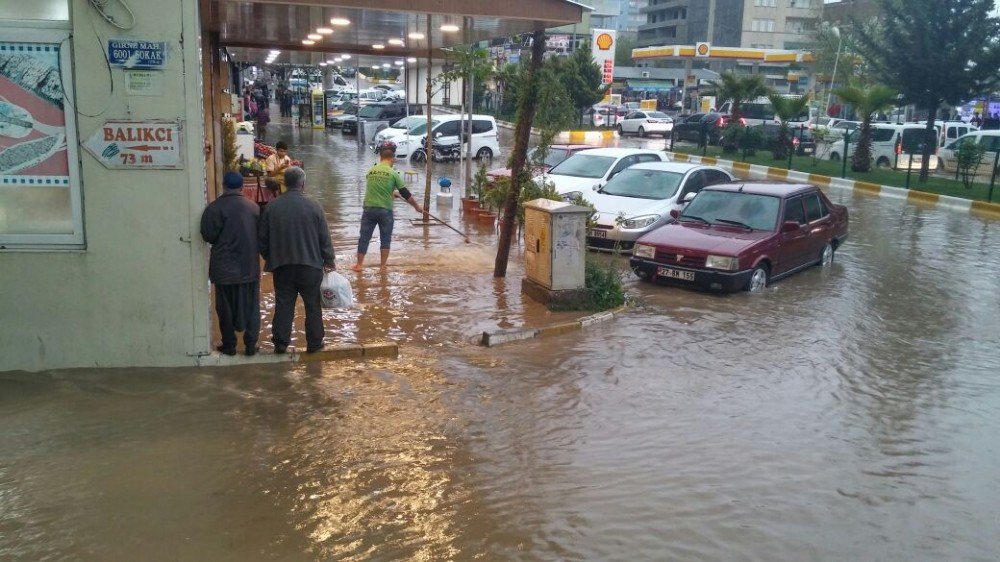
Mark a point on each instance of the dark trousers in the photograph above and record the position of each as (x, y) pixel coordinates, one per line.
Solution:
(290, 282)
(238, 309)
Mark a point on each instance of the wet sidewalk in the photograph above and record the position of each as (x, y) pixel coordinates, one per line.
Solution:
(437, 289)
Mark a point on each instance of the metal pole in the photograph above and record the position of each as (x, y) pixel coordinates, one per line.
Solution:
(829, 94)
(843, 167)
(909, 170)
(993, 180)
(428, 161)
(791, 149)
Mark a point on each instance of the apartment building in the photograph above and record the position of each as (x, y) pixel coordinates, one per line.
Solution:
(630, 17)
(769, 24)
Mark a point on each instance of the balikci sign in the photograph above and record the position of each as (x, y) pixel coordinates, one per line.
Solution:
(138, 145)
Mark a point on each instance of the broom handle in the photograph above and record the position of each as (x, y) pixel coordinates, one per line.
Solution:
(446, 224)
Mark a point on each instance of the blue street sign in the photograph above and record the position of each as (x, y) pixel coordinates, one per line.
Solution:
(131, 53)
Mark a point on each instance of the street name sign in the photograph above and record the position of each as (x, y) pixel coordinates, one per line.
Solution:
(134, 53)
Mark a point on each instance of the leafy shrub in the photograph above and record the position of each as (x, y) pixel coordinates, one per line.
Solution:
(969, 157)
(604, 284)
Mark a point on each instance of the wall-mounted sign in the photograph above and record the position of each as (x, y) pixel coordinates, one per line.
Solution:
(143, 83)
(603, 48)
(132, 53)
(138, 145)
(702, 49)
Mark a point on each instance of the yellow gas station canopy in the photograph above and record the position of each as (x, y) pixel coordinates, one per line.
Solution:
(707, 52)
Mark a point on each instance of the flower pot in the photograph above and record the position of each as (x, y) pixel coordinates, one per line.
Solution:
(486, 217)
(469, 204)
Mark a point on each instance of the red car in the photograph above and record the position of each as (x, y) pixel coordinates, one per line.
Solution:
(557, 153)
(735, 237)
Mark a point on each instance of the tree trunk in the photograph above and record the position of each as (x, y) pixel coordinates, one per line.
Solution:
(929, 147)
(522, 134)
(429, 162)
(862, 159)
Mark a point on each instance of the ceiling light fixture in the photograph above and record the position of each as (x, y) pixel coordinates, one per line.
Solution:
(386, 65)
(411, 59)
(416, 35)
(449, 28)
(341, 22)
(345, 57)
(324, 30)
(322, 64)
(396, 42)
(378, 46)
(314, 36)
(399, 63)
(308, 42)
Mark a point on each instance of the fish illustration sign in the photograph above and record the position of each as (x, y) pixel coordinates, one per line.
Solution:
(138, 145)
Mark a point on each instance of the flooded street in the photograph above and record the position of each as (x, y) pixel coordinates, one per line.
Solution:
(851, 413)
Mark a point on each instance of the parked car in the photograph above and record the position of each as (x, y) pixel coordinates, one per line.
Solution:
(892, 145)
(691, 127)
(445, 129)
(592, 168)
(556, 154)
(801, 138)
(743, 236)
(948, 157)
(640, 199)
(837, 128)
(761, 112)
(383, 111)
(399, 127)
(348, 111)
(643, 123)
(606, 115)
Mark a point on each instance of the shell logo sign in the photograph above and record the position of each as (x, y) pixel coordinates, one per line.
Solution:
(702, 49)
(605, 41)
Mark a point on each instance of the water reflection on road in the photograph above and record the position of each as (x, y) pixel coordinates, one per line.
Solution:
(845, 414)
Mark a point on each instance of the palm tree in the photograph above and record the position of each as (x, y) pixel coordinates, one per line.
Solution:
(866, 102)
(786, 109)
(739, 90)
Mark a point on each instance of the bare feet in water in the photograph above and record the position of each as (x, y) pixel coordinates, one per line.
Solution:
(356, 267)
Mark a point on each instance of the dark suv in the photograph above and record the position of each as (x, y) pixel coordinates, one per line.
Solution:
(693, 126)
(387, 112)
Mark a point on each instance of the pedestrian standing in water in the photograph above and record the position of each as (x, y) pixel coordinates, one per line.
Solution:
(230, 225)
(295, 242)
(382, 183)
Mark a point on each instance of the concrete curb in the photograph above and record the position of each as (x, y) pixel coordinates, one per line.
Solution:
(978, 208)
(500, 337)
(363, 351)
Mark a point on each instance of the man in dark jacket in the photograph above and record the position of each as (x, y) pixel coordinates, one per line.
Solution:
(295, 242)
(229, 224)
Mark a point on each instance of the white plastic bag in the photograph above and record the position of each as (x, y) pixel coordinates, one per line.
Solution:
(336, 291)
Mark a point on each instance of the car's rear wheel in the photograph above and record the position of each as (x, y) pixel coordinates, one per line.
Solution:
(642, 132)
(835, 157)
(826, 257)
(758, 279)
(418, 156)
(484, 154)
(621, 131)
(883, 162)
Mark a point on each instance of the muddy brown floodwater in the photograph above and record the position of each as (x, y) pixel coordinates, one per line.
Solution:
(851, 413)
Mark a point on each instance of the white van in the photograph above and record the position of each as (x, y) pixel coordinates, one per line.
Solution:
(949, 131)
(445, 130)
(760, 112)
(892, 145)
(989, 139)
(370, 95)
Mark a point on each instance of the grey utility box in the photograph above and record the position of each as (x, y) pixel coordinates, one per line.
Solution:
(555, 251)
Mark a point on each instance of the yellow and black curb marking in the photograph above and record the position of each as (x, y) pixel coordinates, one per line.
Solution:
(977, 208)
(499, 337)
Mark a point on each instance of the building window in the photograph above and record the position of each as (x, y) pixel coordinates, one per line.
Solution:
(765, 3)
(40, 201)
(800, 3)
(762, 25)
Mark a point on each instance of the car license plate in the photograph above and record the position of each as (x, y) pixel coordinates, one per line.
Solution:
(596, 233)
(671, 273)
(807, 150)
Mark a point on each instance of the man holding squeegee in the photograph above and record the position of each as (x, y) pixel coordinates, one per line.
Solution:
(382, 182)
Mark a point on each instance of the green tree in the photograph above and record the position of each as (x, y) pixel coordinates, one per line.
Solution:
(866, 102)
(623, 51)
(786, 109)
(580, 76)
(935, 52)
(739, 90)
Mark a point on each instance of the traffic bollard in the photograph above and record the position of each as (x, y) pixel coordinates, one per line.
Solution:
(843, 158)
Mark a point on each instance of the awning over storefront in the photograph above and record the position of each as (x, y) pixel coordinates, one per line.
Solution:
(250, 29)
(652, 86)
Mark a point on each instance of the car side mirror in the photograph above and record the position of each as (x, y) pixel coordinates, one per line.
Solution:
(675, 214)
(437, 135)
(790, 226)
(689, 197)
(596, 187)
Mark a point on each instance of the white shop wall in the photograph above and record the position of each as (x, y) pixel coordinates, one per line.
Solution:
(136, 292)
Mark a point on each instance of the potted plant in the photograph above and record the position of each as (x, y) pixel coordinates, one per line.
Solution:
(476, 190)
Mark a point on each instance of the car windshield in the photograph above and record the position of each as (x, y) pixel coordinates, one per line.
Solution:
(421, 128)
(759, 212)
(409, 122)
(370, 111)
(657, 115)
(552, 158)
(644, 184)
(584, 166)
